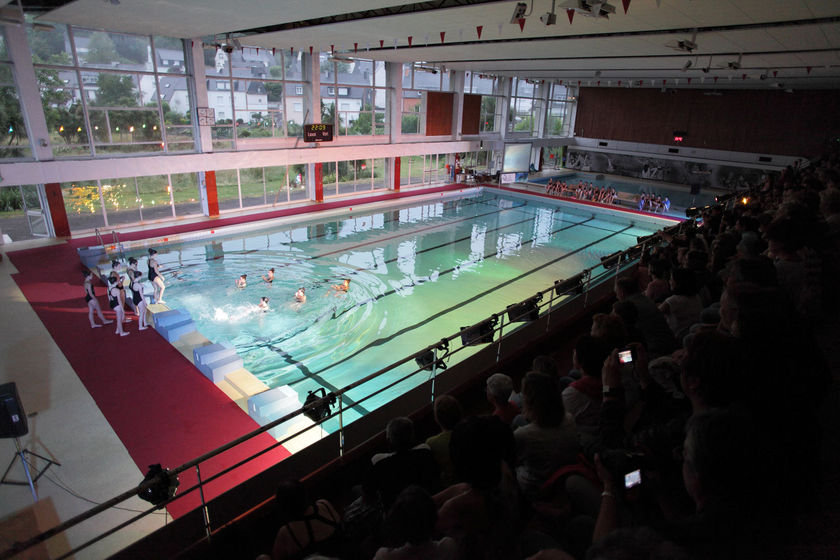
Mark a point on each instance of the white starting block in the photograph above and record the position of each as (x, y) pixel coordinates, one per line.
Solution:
(215, 361)
(275, 403)
(173, 324)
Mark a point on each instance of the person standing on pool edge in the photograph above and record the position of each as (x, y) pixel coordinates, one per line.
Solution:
(138, 298)
(155, 277)
(92, 302)
(114, 289)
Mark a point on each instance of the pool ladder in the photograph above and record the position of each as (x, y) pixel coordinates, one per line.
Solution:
(115, 242)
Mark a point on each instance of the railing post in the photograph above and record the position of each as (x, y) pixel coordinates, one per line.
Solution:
(340, 425)
(499, 344)
(550, 309)
(204, 511)
(434, 371)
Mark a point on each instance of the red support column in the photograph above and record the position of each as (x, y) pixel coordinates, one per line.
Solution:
(212, 194)
(319, 182)
(396, 173)
(58, 214)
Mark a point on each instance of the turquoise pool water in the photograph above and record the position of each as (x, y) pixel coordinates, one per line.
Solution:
(417, 273)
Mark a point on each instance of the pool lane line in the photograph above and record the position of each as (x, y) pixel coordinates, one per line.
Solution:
(317, 378)
(427, 249)
(387, 220)
(380, 341)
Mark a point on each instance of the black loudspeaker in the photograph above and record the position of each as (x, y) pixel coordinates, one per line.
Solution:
(12, 417)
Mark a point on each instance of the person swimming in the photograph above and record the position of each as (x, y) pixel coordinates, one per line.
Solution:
(241, 282)
(342, 288)
(263, 305)
(300, 295)
(269, 277)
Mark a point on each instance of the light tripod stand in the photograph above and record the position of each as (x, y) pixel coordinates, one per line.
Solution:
(21, 454)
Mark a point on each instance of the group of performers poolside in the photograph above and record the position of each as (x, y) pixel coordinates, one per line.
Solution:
(582, 191)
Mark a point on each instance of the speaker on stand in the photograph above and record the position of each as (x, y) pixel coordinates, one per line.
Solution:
(13, 425)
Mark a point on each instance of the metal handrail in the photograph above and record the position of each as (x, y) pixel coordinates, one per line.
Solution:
(575, 286)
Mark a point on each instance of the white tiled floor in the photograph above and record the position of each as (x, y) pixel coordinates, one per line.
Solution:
(66, 425)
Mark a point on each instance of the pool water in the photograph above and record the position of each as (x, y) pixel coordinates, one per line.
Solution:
(417, 273)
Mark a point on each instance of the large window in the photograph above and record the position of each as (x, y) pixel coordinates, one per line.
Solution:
(353, 96)
(492, 98)
(525, 106)
(14, 142)
(106, 93)
(560, 103)
(418, 77)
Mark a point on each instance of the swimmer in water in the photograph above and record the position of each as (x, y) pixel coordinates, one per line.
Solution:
(342, 288)
(269, 278)
(300, 295)
(241, 282)
(263, 305)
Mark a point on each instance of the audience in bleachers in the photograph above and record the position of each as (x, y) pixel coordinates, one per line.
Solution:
(703, 445)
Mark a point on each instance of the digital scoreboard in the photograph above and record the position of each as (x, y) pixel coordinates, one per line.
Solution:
(317, 133)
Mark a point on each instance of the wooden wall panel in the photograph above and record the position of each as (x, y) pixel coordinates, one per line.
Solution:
(439, 106)
(771, 122)
(471, 117)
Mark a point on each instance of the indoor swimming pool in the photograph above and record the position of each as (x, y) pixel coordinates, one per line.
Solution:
(417, 272)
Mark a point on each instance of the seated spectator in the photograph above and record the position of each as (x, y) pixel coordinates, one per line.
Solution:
(629, 315)
(448, 413)
(409, 527)
(499, 389)
(658, 288)
(651, 322)
(482, 512)
(307, 526)
(609, 328)
(549, 441)
(582, 398)
(682, 309)
(722, 471)
(406, 464)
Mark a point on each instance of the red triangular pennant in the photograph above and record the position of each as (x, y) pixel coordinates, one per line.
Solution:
(743, 76)
(689, 80)
(442, 35)
(332, 49)
(273, 51)
(355, 47)
(478, 29)
(775, 72)
(409, 40)
(521, 24)
(258, 50)
(381, 43)
(716, 79)
(626, 4)
(560, 83)
(291, 51)
(640, 82)
(571, 14)
(619, 83)
(808, 69)
(310, 50)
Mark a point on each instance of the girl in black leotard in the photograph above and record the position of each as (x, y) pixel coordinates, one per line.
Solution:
(114, 289)
(155, 277)
(139, 300)
(92, 302)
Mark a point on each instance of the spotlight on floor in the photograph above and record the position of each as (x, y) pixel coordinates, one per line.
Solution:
(570, 285)
(426, 360)
(164, 484)
(317, 405)
(528, 310)
(481, 333)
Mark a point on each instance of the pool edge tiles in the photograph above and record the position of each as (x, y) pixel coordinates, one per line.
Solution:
(240, 386)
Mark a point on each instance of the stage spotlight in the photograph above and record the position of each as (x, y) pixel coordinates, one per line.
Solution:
(164, 486)
(427, 359)
(694, 211)
(528, 310)
(316, 407)
(613, 258)
(570, 285)
(481, 333)
(633, 253)
(720, 199)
